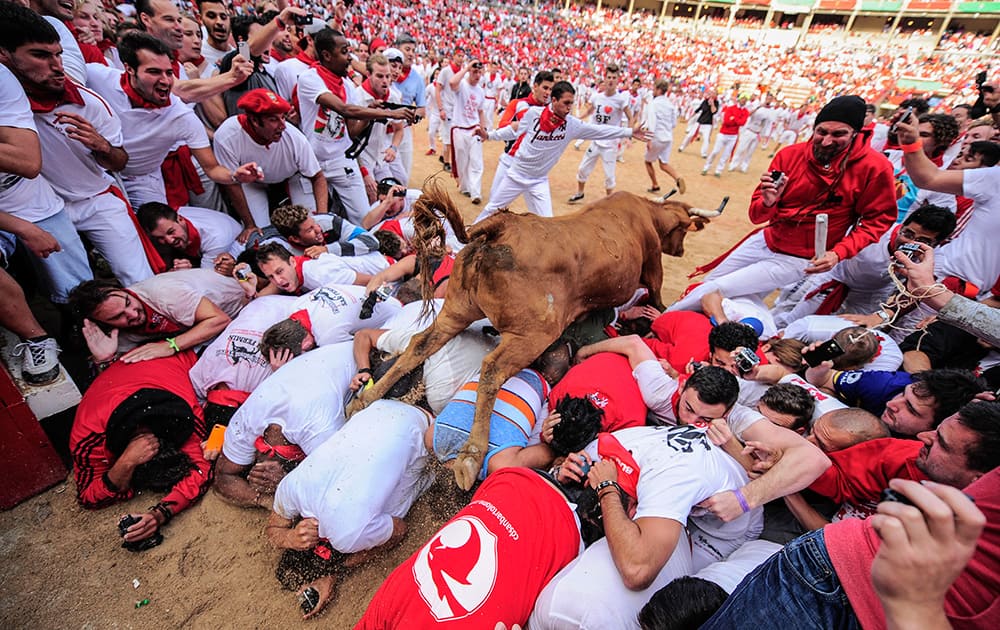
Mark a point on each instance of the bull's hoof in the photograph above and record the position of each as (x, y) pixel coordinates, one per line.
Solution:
(355, 406)
(467, 466)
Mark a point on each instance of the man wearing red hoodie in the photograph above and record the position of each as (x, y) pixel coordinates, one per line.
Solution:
(833, 173)
(733, 117)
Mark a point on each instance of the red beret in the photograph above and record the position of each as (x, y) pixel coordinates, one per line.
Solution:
(263, 101)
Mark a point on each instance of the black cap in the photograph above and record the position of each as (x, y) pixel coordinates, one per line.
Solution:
(849, 110)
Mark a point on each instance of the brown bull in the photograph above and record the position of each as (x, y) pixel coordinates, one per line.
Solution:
(532, 277)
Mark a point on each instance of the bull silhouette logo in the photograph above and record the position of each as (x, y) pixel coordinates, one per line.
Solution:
(328, 297)
(241, 349)
(456, 571)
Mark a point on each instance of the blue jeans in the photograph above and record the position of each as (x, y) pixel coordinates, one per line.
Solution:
(62, 270)
(796, 588)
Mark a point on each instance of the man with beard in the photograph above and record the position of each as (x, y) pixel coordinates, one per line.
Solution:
(194, 237)
(163, 316)
(139, 427)
(411, 87)
(824, 578)
(58, 13)
(836, 174)
(261, 135)
(215, 19)
(327, 103)
(541, 92)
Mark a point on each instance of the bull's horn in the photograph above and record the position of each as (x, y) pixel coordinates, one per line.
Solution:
(708, 214)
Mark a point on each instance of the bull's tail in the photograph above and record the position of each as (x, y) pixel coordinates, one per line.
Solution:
(433, 206)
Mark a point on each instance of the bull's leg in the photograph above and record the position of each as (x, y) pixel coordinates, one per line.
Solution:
(514, 353)
(651, 276)
(446, 326)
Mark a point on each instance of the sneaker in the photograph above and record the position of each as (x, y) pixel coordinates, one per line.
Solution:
(430, 152)
(681, 185)
(575, 198)
(466, 194)
(447, 167)
(704, 171)
(441, 159)
(718, 174)
(40, 360)
(621, 158)
(653, 189)
(476, 201)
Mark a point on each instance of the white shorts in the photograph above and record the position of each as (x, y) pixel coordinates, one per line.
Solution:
(658, 151)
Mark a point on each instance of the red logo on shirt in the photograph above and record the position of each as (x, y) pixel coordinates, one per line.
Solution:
(608, 109)
(456, 571)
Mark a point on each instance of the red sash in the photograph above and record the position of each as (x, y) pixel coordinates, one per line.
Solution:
(180, 177)
(156, 262)
(227, 397)
(287, 452)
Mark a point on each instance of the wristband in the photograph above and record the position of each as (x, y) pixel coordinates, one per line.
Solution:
(277, 20)
(172, 342)
(394, 148)
(913, 147)
(607, 483)
(366, 370)
(742, 500)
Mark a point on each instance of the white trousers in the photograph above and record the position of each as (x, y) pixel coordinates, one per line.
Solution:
(104, 220)
(748, 142)
(344, 178)
(508, 187)
(469, 161)
(723, 147)
(608, 158)
(706, 134)
(751, 270)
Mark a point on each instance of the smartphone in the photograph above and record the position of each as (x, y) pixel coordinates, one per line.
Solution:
(891, 495)
(981, 78)
(303, 20)
(777, 177)
(399, 193)
(824, 352)
(904, 118)
(244, 50)
(309, 599)
(910, 250)
(215, 438)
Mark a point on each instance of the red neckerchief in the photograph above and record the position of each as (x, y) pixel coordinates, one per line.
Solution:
(302, 317)
(134, 98)
(278, 55)
(549, 122)
(299, 261)
(242, 118)
(156, 323)
(455, 67)
(175, 63)
(367, 87)
(194, 239)
(69, 96)
(675, 400)
(105, 45)
(530, 100)
(306, 58)
(197, 61)
(287, 452)
(402, 77)
(333, 83)
(610, 449)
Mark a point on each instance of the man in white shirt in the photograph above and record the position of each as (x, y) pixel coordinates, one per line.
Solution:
(609, 107)
(327, 103)
(215, 19)
(193, 237)
(466, 115)
(661, 118)
(541, 136)
(154, 122)
(261, 136)
(445, 96)
(294, 275)
(57, 14)
(81, 141)
(380, 157)
(750, 136)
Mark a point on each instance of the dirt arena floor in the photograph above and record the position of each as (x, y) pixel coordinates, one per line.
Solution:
(62, 565)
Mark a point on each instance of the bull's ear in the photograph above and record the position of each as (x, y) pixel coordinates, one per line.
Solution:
(697, 224)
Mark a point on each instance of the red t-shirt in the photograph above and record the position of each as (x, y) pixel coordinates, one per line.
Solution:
(861, 472)
(486, 565)
(605, 378)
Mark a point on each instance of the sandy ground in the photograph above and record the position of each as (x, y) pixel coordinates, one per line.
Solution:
(62, 565)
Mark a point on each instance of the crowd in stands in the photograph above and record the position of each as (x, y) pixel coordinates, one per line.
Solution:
(217, 199)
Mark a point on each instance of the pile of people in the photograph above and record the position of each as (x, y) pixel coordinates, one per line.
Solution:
(227, 225)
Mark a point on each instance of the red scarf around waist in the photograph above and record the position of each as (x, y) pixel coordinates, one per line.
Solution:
(69, 96)
(156, 262)
(180, 177)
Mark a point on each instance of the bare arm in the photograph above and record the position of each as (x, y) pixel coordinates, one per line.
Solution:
(20, 152)
(631, 346)
(801, 463)
(197, 90)
(364, 340)
(320, 192)
(231, 483)
(357, 112)
(923, 172)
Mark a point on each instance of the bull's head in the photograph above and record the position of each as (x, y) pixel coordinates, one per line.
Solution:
(688, 219)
